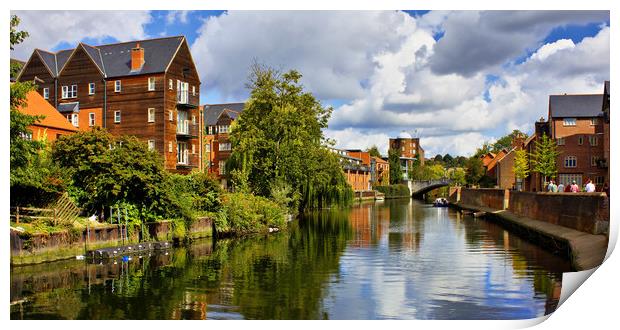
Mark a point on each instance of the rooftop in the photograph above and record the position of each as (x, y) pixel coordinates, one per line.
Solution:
(577, 105)
(213, 111)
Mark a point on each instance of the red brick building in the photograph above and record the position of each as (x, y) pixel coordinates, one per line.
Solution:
(380, 171)
(355, 170)
(218, 118)
(410, 150)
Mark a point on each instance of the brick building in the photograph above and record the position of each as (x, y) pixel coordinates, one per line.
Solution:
(379, 171)
(355, 170)
(147, 88)
(410, 151)
(606, 134)
(218, 118)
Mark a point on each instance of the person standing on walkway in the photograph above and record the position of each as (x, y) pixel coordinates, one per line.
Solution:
(550, 186)
(590, 187)
(574, 187)
(561, 187)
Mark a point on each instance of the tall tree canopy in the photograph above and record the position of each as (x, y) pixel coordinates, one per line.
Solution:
(396, 172)
(374, 151)
(278, 141)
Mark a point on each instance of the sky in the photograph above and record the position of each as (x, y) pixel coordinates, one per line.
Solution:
(453, 78)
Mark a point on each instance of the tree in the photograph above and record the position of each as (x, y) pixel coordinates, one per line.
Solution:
(107, 171)
(505, 142)
(448, 160)
(279, 137)
(16, 37)
(396, 172)
(458, 176)
(475, 170)
(521, 166)
(374, 151)
(438, 158)
(544, 157)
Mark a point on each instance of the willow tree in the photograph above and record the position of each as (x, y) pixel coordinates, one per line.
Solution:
(278, 143)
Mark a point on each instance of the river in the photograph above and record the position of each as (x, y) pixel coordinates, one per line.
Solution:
(398, 259)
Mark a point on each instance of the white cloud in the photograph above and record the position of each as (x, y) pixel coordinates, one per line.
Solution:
(549, 49)
(174, 16)
(50, 28)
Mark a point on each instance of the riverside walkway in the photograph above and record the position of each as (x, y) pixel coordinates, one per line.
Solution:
(586, 250)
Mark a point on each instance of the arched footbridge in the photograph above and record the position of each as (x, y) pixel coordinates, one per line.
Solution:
(420, 187)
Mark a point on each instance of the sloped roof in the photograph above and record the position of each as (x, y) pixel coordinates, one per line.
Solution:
(380, 160)
(580, 105)
(69, 107)
(36, 105)
(114, 60)
(213, 111)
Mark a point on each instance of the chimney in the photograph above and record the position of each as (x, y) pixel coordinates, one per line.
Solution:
(137, 58)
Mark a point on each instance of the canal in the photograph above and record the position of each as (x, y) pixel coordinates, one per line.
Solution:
(398, 259)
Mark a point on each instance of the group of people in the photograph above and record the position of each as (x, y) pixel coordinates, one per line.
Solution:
(573, 187)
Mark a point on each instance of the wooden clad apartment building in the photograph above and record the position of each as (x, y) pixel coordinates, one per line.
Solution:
(146, 88)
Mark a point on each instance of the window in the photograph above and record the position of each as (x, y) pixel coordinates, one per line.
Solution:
(151, 83)
(570, 161)
(182, 123)
(151, 144)
(580, 140)
(46, 93)
(75, 121)
(182, 92)
(91, 119)
(151, 115)
(193, 148)
(69, 91)
(222, 167)
(223, 129)
(170, 84)
(182, 153)
(570, 122)
(193, 90)
(91, 89)
(208, 147)
(117, 86)
(561, 141)
(117, 116)
(567, 179)
(193, 119)
(170, 115)
(594, 160)
(593, 121)
(599, 180)
(224, 146)
(593, 140)
(169, 146)
(210, 130)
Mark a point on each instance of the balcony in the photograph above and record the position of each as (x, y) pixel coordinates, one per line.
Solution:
(183, 101)
(185, 129)
(188, 160)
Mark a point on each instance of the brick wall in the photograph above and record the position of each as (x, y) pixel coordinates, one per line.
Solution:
(587, 212)
(493, 198)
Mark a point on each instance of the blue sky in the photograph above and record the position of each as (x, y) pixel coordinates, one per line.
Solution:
(457, 78)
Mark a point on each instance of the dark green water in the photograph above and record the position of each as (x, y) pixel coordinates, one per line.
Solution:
(397, 259)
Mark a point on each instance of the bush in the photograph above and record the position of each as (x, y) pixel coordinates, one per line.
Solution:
(394, 190)
(243, 214)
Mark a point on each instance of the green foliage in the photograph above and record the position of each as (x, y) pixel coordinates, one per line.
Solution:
(521, 165)
(427, 172)
(278, 137)
(16, 37)
(458, 176)
(475, 170)
(374, 151)
(396, 172)
(243, 214)
(505, 142)
(394, 190)
(544, 157)
(106, 171)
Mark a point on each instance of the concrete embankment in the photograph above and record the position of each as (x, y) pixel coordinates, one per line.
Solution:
(29, 249)
(572, 224)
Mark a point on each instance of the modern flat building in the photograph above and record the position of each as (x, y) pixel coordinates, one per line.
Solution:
(218, 118)
(355, 170)
(146, 88)
(410, 150)
(52, 126)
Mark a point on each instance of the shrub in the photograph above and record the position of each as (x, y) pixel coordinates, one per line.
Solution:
(394, 191)
(243, 213)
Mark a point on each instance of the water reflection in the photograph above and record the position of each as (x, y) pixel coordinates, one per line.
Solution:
(397, 259)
